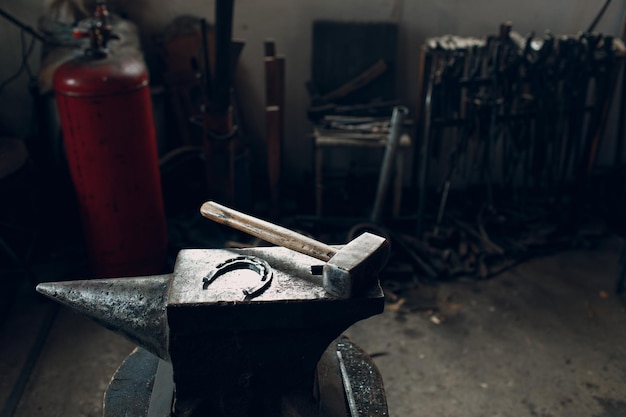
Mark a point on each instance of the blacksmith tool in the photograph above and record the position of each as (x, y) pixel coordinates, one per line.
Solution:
(348, 271)
(239, 332)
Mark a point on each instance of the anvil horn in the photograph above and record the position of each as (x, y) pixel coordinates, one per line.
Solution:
(134, 308)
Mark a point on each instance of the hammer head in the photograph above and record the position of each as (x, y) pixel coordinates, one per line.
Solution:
(356, 266)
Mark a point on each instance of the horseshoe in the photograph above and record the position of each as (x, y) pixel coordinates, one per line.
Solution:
(252, 263)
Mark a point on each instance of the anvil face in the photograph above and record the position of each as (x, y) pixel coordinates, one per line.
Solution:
(232, 354)
(302, 299)
(292, 277)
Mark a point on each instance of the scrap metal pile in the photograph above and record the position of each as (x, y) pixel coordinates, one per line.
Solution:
(511, 127)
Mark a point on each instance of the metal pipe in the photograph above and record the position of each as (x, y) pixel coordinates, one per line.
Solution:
(593, 24)
(220, 99)
(423, 169)
(397, 123)
(442, 205)
(206, 71)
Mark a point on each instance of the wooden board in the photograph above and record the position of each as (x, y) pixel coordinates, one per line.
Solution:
(344, 50)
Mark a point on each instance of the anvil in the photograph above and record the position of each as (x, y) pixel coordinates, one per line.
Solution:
(232, 352)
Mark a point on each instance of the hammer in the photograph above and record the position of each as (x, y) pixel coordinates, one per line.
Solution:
(349, 270)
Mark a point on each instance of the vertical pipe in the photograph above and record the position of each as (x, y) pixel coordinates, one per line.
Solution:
(397, 123)
(425, 148)
(223, 39)
(206, 73)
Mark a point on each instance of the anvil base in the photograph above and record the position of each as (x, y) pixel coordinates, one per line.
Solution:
(143, 387)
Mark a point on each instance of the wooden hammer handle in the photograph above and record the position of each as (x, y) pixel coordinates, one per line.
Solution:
(267, 231)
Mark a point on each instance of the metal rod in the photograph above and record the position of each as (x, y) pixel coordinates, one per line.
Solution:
(206, 74)
(425, 149)
(621, 131)
(442, 205)
(593, 24)
(223, 39)
(397, 123)
(22, 26)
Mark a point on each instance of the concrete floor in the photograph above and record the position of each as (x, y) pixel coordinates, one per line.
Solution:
(545, 339)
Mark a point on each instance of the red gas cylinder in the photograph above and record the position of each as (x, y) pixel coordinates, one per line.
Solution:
(108, 130)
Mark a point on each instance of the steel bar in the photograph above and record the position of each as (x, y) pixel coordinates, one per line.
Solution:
(223, 39)
(206, 70)
(425, 148)
(397, 125)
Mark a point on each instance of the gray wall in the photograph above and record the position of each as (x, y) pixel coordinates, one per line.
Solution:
(289, 23)
(15, 104)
